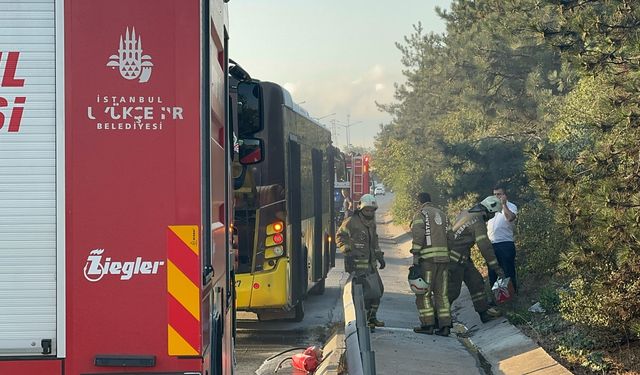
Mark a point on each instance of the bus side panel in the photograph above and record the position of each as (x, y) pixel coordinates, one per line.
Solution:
(133, 170)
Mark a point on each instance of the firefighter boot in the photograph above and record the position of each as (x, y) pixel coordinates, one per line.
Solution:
(489, 314)
(374, 322)
(427, 330)
(444, 331)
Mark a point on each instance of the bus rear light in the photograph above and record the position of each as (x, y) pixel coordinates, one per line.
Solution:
(274, 240)
(256, 285)
(276, 227)
(274, 252)
(278, 251)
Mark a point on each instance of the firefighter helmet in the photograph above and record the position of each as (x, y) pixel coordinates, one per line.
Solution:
(416, 282)
(368, 200)
(492, 204)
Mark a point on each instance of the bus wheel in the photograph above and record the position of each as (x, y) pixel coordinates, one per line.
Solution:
(319, 288)
(299, 311)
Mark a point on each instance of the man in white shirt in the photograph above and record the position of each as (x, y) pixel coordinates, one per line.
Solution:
(500, 232)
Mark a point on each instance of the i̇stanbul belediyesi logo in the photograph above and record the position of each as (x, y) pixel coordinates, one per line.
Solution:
(130, 61)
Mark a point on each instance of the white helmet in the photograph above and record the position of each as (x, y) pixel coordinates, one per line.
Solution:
(416, 282)
(492, 204)
(368, 200)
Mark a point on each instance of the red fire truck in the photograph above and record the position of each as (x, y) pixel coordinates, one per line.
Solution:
(358, 167)
(114, 188)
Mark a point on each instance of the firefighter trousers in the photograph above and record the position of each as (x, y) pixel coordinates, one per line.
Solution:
(434, 303)
(466, 271)
(371, 305)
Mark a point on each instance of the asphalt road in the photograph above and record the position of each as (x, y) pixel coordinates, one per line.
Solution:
(262, 346)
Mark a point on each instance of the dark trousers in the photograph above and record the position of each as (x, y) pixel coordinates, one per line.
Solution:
(467, 272)
(506, 256)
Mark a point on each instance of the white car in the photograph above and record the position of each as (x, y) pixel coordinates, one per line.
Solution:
(379, 190)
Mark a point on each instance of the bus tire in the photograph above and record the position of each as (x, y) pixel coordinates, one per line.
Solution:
(299, 311)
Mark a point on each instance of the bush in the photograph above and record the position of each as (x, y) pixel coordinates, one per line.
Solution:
(539, 242)
(549, 299)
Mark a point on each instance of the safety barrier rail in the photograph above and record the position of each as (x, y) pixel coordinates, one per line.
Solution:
(360, 358)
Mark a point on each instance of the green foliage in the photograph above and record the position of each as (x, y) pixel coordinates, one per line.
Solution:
(540, 241)
(592, 360)
(549, 299)
(542, 95)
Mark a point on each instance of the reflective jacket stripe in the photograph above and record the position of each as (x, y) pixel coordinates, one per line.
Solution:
(437, 250)
(454, 255)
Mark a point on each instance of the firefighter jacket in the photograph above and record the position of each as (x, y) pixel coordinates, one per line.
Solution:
(469, 229)
(429, 232)
(357, 239)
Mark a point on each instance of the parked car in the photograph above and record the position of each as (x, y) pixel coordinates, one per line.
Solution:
(379, 190)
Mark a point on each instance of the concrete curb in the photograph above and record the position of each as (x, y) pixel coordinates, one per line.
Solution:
(503, 346)
(333, 353)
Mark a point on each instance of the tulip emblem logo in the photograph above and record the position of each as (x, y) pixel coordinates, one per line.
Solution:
(130, 61)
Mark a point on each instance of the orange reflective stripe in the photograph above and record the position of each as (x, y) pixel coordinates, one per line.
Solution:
(183, 290)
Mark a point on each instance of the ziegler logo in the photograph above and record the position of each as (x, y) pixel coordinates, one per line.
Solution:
(131, 62)
(96, 268)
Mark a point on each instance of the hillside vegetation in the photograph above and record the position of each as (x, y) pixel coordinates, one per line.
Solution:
(543, 95)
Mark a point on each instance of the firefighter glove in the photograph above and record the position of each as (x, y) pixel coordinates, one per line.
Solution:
(383, 264)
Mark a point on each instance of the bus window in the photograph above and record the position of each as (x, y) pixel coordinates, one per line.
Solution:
(250, 118)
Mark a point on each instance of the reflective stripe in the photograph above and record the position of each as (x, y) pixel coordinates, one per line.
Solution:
(427, 229)
(493, 263)
(434, 251)
(455, 255)
(480, 237)
(416, 247)
(419, 221)
(477, 296)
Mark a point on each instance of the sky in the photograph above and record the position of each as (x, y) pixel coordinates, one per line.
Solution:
(337, 58)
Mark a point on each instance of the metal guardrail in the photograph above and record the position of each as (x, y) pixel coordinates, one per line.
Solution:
(360, 358)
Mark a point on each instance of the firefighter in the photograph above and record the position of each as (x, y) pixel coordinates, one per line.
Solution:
(470, 228)
(358, 241)
(430, 253)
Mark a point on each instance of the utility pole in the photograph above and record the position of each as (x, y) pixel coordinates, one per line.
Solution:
(349, 124)
(334, 133)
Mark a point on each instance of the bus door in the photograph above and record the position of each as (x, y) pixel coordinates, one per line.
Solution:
(294, 213)
(317, 258)
(332, 208)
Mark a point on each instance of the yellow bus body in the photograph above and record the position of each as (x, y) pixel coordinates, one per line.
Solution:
(269, 289)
